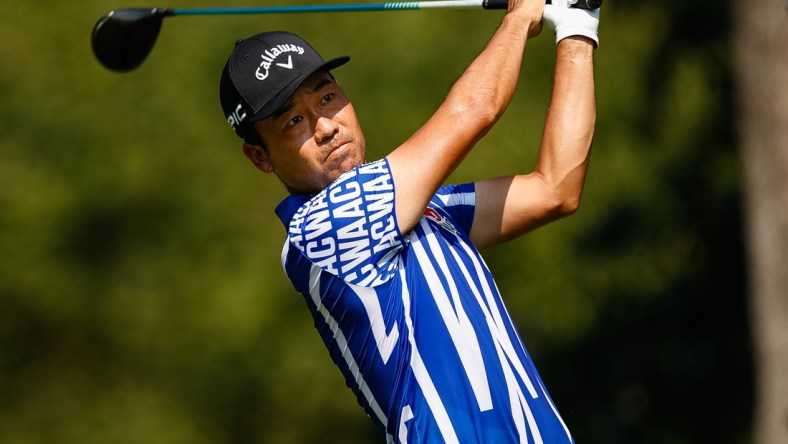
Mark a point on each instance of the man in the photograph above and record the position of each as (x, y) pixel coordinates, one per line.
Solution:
(386, 258)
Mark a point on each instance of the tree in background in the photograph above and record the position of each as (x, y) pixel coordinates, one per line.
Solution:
(761, 31)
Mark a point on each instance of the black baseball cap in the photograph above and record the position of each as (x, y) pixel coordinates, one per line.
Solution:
(263, 71)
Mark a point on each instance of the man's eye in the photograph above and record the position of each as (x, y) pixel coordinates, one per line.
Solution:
(294, 121)
(327, 98)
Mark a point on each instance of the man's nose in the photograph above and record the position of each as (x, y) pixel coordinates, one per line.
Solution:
(325, 128)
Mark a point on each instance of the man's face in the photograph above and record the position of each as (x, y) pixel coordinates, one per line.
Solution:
(313, 138)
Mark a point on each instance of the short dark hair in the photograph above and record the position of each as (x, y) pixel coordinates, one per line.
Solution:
(252, 136)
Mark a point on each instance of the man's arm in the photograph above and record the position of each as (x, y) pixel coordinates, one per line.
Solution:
(476, 101)
(508, 207)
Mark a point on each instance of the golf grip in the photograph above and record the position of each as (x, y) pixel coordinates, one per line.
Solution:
(503, 4)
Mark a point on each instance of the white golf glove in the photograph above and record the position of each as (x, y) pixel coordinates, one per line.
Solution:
(571, 21)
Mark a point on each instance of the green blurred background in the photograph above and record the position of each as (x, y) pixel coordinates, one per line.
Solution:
(141, 295)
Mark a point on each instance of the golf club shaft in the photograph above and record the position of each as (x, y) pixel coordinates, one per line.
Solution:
(358, 7)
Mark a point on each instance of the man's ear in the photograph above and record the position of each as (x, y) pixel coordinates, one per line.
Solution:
(257, 155)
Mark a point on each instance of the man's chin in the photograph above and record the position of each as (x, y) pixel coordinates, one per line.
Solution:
(344, 161)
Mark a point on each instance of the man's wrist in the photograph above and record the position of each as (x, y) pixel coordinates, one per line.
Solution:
(523, 22)
(577, 44)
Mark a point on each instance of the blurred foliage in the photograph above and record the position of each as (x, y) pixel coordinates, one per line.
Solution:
(141, 295)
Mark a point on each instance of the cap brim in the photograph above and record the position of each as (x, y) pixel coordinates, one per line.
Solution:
(284, 94)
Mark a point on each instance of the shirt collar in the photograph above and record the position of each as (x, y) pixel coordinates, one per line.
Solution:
(288, 207)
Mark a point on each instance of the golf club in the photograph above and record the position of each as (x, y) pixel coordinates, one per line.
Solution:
(123, 38)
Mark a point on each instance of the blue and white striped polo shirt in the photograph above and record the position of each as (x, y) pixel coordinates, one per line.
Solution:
(415, 321)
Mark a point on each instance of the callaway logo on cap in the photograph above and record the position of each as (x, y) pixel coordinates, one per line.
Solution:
(262, 73)
(269, 57)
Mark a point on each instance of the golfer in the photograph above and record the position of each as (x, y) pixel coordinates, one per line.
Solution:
(387, 257)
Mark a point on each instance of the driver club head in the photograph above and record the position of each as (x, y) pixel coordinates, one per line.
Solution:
(123, 38)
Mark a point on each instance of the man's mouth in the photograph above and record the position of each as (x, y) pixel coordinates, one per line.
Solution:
(337, 149)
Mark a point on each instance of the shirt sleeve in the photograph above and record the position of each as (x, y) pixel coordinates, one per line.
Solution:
(459, 201)
(349, 229)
